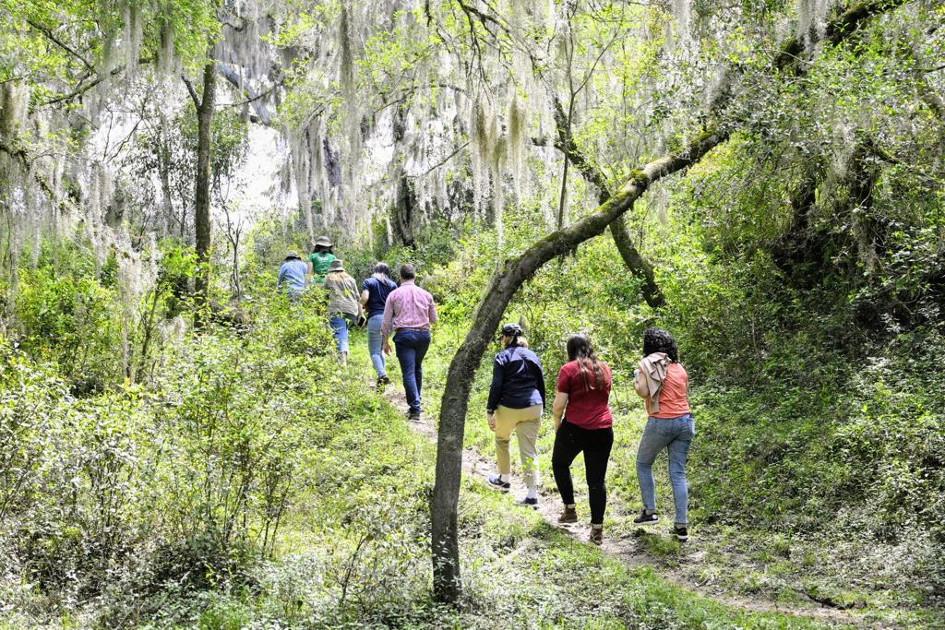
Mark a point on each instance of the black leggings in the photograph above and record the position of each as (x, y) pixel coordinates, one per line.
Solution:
(596, 444)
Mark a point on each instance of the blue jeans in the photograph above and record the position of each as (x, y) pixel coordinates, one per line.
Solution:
(675, 435)
(411, 347)
(375, 343)
(339, 326)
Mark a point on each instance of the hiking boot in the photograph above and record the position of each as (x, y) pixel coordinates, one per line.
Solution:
(681, 532)
(530, 502)
(597, 535)
(568, 515)
(496, 482)
(646, 519)
(382, 381)
(413, 416)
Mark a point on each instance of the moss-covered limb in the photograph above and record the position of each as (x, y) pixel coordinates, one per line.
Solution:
(632, 258)
(854, 16)
(565, 143)
(20, 154)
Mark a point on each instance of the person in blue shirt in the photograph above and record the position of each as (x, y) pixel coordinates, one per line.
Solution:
(292, 276)
(516, 402)
(374, 292)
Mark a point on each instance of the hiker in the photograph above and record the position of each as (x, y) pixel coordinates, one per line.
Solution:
(292, 274)
(321, 259)
(410, 314)
(584, 384)
(374, 293)
(664, 384)
(516, 401)
(344, 307)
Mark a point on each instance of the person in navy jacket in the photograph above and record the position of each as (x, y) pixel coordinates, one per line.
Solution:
(516, 402)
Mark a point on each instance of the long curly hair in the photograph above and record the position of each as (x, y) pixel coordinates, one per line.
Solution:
(659, 340)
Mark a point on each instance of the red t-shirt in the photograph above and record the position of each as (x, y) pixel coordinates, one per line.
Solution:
(674, 395)
(587, 406)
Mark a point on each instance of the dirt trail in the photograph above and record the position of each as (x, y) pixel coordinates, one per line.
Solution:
(630, 548)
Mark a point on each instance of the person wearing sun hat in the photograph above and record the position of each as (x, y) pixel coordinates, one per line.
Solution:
(321, 258)
(292, 276)
(344, 305)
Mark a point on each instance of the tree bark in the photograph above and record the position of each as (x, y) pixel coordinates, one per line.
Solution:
(447, 584)
(204, 107)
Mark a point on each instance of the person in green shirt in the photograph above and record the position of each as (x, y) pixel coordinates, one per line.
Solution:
(321, 259)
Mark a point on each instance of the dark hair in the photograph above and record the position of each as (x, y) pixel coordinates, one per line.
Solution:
(659, 340)
(407, 272)
(581, 350)
(318, 249)
(382, 268)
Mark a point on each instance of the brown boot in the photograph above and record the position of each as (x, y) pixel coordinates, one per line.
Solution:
(568, 515)
(597, 535)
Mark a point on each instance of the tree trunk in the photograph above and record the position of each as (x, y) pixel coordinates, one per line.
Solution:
(446, 575)
(447, 586)
(202, 193)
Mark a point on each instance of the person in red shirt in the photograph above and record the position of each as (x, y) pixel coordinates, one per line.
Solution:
(664, 385)
(583, 424)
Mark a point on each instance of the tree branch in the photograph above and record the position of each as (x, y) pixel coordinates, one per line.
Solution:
(192, 91)
(52, 37)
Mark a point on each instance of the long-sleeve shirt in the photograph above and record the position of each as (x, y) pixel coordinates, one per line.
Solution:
(408, 306)
(292, 275)
(517, 380)
(343, 296)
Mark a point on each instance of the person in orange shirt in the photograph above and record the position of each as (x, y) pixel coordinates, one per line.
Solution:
(664, 385)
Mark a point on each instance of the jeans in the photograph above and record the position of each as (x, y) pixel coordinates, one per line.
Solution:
(675, 435)
(339, 326)
(411, 347)
(375, 343)
(596, 444)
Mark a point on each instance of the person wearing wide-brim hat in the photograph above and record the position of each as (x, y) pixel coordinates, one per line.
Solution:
(321, 258)
(344, 305)
(292, 276)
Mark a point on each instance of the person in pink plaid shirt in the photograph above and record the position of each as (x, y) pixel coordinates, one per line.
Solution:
(409, 313)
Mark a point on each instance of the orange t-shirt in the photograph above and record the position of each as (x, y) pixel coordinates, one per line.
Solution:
(674, 395)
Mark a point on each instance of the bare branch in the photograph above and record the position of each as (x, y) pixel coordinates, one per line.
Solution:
(191, 90)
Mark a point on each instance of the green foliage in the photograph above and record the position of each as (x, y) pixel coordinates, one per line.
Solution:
(67, 316)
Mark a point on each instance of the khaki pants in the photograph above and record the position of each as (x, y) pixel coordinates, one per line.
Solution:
(525, 423)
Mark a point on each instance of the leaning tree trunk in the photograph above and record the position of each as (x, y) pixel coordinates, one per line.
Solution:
(202, 194)
(463, 366)
(445, 535)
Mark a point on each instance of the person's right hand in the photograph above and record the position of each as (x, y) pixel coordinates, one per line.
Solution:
(490, 418)
(387, 349)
